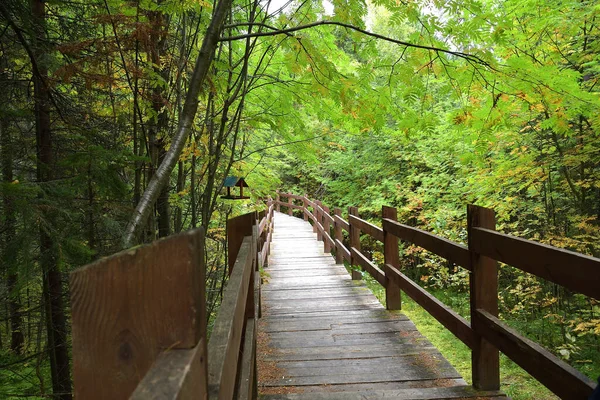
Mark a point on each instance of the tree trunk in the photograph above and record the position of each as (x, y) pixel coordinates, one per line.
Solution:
(9, 256)
(180, 187)
(163, 174)
(49, 253)
(162, 205)
(193, 194)
(157, 131)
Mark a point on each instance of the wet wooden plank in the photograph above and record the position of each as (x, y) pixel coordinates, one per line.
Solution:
(382, 386)
(344, 352)
(334, 315)
(314, 324)
(419, 366)
(432, 393)
(318, 293)
(311, 272)
(325, 333)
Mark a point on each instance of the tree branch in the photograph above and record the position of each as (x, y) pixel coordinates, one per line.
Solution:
(190, 107)
(288, 31)
(279, 145)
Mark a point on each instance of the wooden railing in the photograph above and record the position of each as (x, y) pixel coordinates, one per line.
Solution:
(139, 319)
(485, 334)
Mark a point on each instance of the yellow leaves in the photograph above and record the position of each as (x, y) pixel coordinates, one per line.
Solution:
(216, 234)
(476, 101)
(587, 327)
(204, 4)
(337, 146)
(463, 118)
(539, 107)
(549, 301)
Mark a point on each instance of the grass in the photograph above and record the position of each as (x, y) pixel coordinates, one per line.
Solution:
(515, 382)
(19, 378)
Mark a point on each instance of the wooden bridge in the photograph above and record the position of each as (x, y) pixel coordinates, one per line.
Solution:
(293, 324)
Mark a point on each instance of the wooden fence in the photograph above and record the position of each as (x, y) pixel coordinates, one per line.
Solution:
(485, 334)
(139, 319)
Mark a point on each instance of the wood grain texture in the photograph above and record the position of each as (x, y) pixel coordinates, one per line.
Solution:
(344, 252)
(391, 255)
(328, 243)
(483, 286)
(291, 195)
(323, 333)
(247, 389)
(338, 236)
(366, 227)
(176, 375)
(558, 376)
(325, 214)
(369, 266)
(237, 229)
(225, 339)
(305, 202)
(574, 271)
(456, 324)
(319, 219)
(451, 251)
(432, 393)
(354, 233)
(342, 222)
(291, 206)
(128, 308)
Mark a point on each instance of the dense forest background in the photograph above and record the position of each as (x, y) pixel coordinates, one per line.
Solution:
(113, 111)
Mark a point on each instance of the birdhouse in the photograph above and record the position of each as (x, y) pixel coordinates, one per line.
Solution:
(234, 181)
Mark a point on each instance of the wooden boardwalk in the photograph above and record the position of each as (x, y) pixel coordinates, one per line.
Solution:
(324, 336)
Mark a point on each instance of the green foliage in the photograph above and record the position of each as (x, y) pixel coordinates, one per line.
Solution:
(326, 111)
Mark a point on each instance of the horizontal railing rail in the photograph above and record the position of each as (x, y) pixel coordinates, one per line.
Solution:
(139, 319)
(485, 334)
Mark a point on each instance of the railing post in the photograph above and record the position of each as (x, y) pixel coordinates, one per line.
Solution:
(314, 213)
(125, 313)
(238, 228)
(278, 199)
(354, 242)
(317, 209)
(290, 201)
(253, 299)
(483, 284)
(338, 235)
(393, 299)
(326, 225)
(271, 226)
(305, 207)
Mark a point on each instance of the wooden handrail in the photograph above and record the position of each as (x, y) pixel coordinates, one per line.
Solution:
(129, 311)
(562, 379)
(154, 343)
(342, 222)
(369, 266)
(451, 251)
(486, 334)
(574, 271)
(366, 227)
(460, 327)
(226, 338)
